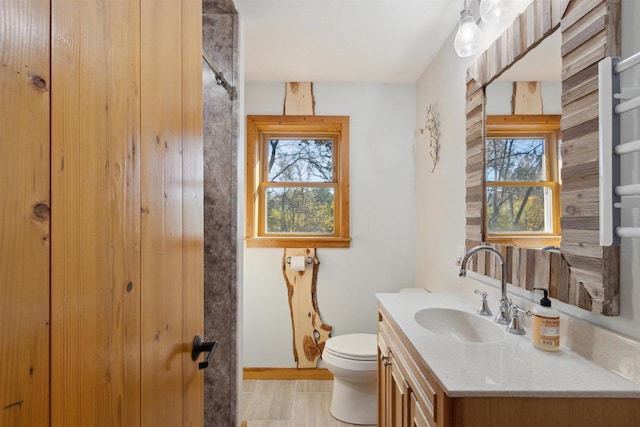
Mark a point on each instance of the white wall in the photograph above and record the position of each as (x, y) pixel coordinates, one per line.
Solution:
(381, 257)
(500, 94)
(630, 164)
(240, 221)
(440, 195)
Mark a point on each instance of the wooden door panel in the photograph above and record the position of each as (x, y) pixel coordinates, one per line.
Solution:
(24, 213)
(192, 211)
(126, 201)
(163, 345)
(95, 284)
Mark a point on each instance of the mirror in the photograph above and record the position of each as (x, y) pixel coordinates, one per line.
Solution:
(522, 159)
(581, 273)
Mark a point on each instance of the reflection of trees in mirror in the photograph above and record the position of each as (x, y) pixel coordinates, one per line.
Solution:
(516, 209)
(515, 159)
(515, 201)
(301, 208)
(300, 160)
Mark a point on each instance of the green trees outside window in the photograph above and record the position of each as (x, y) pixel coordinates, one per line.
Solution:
(300, 208)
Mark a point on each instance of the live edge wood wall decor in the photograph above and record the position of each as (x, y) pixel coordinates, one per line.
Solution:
(309, 332)
(584, 274)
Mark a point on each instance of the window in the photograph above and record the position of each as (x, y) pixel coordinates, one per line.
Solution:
(522, 198)
(297, 181)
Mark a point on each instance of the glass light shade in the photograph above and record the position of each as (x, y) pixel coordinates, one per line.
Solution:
(491, 11)
(469, 37)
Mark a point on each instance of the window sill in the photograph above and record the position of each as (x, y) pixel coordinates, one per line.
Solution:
(298, 242)
(531, 242)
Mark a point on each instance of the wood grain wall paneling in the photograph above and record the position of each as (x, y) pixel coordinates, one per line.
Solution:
(591, 24)
(556, 12)
(584, 56)
(579, 151)
(581, 84)
(576, 10)
(579, 111)
(587, 276)
(25, 220)
(95, 283)
(475, 160)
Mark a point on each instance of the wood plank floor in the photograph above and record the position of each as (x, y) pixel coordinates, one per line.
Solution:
(288, 403)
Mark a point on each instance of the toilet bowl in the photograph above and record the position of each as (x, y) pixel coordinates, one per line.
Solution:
(352, 359)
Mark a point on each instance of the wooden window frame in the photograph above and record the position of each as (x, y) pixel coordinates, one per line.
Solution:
(259, 130)
(544, 126)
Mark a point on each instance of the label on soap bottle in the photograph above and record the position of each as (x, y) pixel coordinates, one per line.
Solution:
(546, 331)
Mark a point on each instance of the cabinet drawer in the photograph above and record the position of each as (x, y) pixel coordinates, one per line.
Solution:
(418, 415)
(427, 392)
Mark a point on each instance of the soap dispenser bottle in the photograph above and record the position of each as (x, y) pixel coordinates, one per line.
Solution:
(545, 324)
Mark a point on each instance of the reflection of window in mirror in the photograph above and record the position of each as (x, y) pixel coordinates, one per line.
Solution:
(522, 180)
(523, 110)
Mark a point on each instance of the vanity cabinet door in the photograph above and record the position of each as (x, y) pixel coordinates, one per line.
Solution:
(393, 388)
(408, 394)
(400, 395)
(384, 374)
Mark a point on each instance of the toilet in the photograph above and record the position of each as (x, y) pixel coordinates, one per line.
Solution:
(352, 359)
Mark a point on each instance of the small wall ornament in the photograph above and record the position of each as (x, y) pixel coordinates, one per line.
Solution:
(432, 125)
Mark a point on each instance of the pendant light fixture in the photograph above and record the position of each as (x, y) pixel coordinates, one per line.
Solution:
(468, 39)
(491, 11)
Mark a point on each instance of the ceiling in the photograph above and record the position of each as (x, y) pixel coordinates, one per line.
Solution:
(343, 40)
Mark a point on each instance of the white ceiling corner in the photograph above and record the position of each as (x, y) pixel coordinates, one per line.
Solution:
(343, 40)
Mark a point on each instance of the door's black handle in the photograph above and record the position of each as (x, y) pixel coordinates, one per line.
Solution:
(200, 346)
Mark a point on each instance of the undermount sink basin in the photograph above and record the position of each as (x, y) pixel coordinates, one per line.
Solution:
(459, 325)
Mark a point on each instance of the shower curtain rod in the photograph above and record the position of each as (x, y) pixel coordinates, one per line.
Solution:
(220, 80)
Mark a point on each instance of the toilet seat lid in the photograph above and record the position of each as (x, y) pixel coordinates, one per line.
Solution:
(353, 346)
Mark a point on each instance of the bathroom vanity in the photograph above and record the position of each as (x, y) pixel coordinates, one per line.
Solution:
(458, 371)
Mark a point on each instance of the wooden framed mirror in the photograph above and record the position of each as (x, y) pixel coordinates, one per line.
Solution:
(581, 273)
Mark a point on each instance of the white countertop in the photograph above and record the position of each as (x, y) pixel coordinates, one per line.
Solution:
(511, 367)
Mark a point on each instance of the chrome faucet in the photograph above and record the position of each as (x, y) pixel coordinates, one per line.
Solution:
(503, 315)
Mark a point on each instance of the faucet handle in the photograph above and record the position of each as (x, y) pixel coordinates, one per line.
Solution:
(514, 325)
(484, 309)
(482, 293)
(515, 309)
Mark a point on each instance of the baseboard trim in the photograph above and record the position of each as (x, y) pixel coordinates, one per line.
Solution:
(286, 374)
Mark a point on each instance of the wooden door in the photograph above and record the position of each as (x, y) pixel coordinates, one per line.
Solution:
(95, 272)
(101, 131)
(126, 269)
(24, 213)
(172, 211)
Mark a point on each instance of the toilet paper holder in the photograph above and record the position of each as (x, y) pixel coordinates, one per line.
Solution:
(308, 260)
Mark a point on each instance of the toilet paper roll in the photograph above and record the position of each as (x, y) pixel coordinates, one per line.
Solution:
(298, 263)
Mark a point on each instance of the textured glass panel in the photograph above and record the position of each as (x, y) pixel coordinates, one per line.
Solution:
(519, 209)
(300, 210)
(515, 159)
(300, 160)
